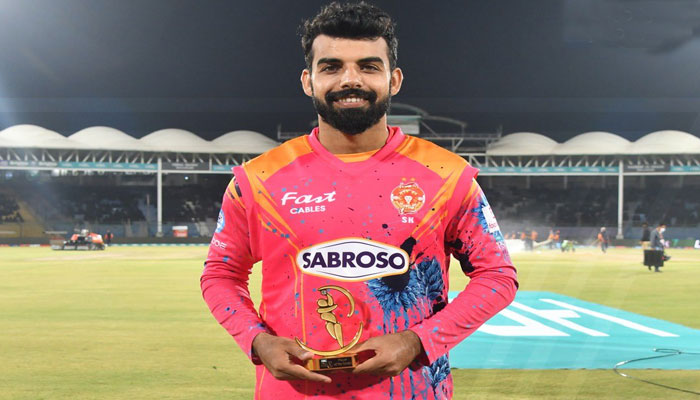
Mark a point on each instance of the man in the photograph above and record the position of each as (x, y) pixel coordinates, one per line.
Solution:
(355, 224)
(526, 237)
(656, 256)
(604, 239)
(108, 237)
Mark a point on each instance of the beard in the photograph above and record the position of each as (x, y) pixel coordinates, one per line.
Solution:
(352, 121)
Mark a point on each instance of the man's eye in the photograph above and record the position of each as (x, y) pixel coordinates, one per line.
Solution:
(370, 67)
(329, 68)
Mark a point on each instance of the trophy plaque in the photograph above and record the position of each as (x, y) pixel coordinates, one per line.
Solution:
(334, 359)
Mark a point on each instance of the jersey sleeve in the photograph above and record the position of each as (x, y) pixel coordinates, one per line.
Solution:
(474, 239)
(224, 282)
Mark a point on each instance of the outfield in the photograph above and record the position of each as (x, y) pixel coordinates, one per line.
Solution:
(130, 322)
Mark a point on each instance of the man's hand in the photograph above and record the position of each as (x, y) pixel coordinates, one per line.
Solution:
(279, 354)
(393, 353)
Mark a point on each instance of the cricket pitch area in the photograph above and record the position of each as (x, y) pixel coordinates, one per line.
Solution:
(130, 322)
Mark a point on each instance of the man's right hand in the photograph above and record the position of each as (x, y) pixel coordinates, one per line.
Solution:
(279, 354)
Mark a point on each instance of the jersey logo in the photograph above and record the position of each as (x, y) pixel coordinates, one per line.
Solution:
(352, 259)
(304, 203)
(408, 198)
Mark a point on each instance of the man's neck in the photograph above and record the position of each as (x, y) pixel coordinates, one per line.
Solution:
(338, 142)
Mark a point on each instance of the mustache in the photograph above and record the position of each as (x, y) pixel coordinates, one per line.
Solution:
(362, 94)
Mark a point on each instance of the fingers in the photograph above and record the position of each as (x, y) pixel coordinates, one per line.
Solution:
(393, 353)
(294, 350)
(279, 356)
(370, 366)
(290, 371)
(299, 372)
(369, 344)
(373, 365)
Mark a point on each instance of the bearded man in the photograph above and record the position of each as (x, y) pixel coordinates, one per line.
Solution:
(361, 210)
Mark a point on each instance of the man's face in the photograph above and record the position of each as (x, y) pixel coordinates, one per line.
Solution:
(350, 82)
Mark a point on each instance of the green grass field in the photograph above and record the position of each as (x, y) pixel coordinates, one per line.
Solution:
(130, 323)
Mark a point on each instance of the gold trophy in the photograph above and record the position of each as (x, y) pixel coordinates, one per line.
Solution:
(336, 359)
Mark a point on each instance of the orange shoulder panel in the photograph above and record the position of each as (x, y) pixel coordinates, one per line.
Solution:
(266, 164)
(439, 160)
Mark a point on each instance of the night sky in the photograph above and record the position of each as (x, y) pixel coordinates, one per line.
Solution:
(559, 68)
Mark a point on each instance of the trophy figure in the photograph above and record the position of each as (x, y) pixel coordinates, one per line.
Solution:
(337, 359)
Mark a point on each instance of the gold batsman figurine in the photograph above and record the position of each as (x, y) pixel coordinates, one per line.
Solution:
(338, 358)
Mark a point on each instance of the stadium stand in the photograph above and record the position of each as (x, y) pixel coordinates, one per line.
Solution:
(121, 203)
(106, 179)
(9, 209)
(591, 202)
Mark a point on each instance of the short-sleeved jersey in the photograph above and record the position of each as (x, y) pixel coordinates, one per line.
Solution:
(352, 250)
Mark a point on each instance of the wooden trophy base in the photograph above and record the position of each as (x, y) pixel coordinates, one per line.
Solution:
(332, 363)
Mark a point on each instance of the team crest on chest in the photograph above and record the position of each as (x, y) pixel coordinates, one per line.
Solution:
(408, 198)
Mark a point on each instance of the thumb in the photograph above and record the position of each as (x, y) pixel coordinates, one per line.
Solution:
(299, 352)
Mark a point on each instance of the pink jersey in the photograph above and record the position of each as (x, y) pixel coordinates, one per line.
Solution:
(355, 250)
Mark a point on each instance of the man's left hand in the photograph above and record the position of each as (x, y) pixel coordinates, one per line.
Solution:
(393, 353)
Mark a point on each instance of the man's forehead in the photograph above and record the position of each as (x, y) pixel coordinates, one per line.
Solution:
(345, 49)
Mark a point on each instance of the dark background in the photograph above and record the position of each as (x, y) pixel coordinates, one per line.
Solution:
(559, 68)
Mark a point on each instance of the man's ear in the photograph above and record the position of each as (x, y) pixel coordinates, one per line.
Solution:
(306, 82)
(396, 80)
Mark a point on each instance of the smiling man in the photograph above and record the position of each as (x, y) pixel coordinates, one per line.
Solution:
(354, 224)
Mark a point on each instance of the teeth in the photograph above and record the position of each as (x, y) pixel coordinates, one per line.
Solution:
(351, 100)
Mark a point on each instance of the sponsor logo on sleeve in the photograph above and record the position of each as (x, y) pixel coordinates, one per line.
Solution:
(218, 243)
(490, 218)
(352, 259)
(220, 222)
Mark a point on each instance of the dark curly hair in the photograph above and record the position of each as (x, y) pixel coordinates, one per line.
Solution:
(350, 21)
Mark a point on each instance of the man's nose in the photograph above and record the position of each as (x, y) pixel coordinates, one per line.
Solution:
(351, 79)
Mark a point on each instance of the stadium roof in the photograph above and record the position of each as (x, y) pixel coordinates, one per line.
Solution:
(595, 143)
(591, 143)
(106, 138)
(32, 136)
(249, 142)
(522, 143)
(179, 141)
(246, 141)
(101, 137)
(666, 142)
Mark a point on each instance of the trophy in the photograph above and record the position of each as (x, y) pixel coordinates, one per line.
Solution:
(338, 359)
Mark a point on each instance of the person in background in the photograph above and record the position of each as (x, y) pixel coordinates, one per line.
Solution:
(568, 245)
(550, 238)
(656, 256)
(527, 239)
(604, 239)
(108, 237)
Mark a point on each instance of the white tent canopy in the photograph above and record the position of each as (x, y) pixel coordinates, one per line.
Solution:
(32, 136)
(249, 142)
(245, 141)
(593, 143)
(179, 141)
(522, 143)
(107, 138)
(103, 137)
(666, 142)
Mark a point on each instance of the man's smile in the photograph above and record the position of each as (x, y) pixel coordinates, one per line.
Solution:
(351, 102)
